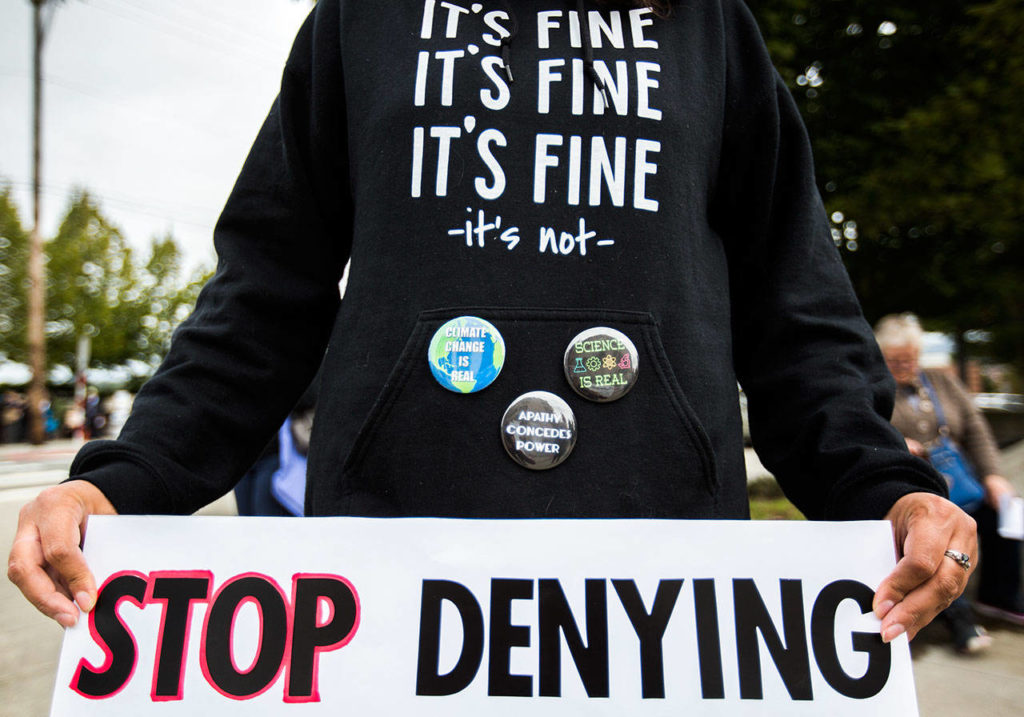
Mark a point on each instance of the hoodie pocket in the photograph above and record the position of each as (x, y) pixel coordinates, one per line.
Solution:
(424, 450)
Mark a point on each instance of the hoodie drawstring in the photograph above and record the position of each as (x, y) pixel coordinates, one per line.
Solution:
(506, 42)
(588, 49)
(588, 53)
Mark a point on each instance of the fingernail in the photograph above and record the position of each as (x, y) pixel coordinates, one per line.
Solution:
(85, 601)
(883, 608)
(66, 619)
(892, 632)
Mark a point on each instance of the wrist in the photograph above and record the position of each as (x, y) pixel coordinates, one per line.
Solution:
(93, 500)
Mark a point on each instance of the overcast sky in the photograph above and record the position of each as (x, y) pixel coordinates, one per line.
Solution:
(151, 105)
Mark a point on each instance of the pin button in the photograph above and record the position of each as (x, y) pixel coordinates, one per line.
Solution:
(601, 364)
(466, 354)
(538, 430)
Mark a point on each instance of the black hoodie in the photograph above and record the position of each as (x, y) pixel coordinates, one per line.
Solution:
(681, 210)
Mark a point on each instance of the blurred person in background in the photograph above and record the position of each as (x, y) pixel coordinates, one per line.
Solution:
(931, 403)
(50, 423)
(118, 407)
(13, 417)
(74, 422)
(95, 419)
(276, 483)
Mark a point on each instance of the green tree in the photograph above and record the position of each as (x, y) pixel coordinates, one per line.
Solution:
(914, 111)
(163, 300)
(97, 288)
(89, 270)
(13, 261)
(945, 211)
(854, 64)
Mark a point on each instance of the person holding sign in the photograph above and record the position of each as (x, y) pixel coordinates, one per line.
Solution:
(603, 217)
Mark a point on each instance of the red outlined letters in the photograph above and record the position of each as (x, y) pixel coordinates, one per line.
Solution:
(309, 636)
(177, 590)
(321, 615)
(110, 633)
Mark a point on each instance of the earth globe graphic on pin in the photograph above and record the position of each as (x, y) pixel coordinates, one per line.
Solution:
(466, 371)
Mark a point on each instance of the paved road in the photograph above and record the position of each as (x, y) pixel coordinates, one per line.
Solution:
(991, 684)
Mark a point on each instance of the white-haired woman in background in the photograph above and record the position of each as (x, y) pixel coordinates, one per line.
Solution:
(933, 402)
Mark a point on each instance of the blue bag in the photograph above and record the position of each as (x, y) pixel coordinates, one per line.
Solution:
(946, 458)
(964, 488)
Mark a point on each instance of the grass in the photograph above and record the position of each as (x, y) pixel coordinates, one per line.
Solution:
(768, 503)
(774, 509)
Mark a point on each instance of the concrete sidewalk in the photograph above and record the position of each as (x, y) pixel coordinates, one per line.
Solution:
(991, 684)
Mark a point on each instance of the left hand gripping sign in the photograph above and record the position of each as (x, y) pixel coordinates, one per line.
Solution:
(449, 617)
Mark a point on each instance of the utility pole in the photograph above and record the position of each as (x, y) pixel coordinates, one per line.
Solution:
(36, 268)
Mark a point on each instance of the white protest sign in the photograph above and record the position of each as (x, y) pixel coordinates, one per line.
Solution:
(259, 616)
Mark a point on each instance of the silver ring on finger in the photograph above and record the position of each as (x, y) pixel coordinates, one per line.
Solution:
(962, 559)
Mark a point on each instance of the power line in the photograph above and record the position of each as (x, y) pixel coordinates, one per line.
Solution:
(203, 17)
(52, 80)
(172, 28)
(190, 22)
(137, 205)
(169, 25)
